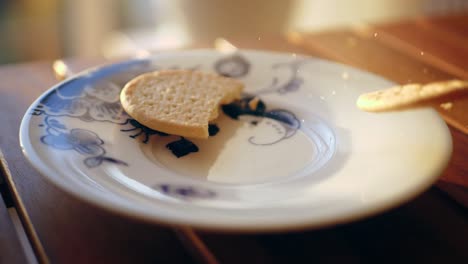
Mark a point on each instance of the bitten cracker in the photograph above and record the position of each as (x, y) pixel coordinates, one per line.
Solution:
(178, 102)
(410, 95)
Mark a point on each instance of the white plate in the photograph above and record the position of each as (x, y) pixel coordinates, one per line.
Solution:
(309, 159)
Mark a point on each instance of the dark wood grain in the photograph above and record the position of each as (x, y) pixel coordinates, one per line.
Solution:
(362, 49)
(430, 41)
(10, 247)
(429, 229)
(427, 41)
(454, 24)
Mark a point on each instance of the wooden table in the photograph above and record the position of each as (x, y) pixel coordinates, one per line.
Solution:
(432, 228)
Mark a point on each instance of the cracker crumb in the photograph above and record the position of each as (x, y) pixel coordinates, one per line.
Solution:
(253, 103)
(446, 106)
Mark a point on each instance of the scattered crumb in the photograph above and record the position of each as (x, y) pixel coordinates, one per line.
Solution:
(446, 106)
(253, 103)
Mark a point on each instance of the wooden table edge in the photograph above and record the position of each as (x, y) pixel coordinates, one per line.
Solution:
(23, 215)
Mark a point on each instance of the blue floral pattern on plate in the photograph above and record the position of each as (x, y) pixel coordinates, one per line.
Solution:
(185, 191)
(94, 97)
(83, 141)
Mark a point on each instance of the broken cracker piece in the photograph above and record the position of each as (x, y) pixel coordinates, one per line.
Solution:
(178, 102)
(410, 95)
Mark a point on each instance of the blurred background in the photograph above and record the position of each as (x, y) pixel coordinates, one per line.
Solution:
(51, 29)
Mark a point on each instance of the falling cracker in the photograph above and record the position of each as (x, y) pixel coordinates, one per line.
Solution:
(411, 95)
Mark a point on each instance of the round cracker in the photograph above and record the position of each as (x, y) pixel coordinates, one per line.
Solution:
(178, 102)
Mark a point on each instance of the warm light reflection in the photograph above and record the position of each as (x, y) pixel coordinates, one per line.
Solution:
(142, 54)
(60, 70)
(345, 75)
(294, 37)
(364, 30)
(222, 45)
